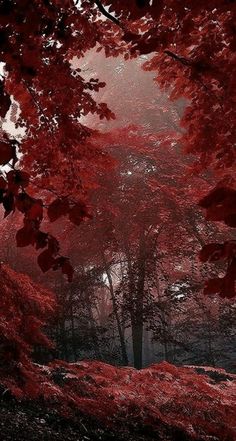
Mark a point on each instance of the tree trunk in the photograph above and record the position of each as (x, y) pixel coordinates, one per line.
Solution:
(137, 319)
(93, 331)
(73, 337)
(137, 340)
(63, 339)
(124, 355)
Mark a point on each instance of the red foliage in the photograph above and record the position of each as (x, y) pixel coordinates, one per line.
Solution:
(220, 205)
(24, 308)
(202, 406)
(6, 152)
(194, 46)
(225, 286)
(58, 208)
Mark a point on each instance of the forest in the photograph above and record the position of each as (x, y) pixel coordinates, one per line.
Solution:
(118, 217)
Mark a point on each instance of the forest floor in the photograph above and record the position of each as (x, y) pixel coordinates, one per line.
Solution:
(159, 403)
(30, 421)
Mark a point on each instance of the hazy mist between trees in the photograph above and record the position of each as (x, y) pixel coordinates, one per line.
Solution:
(118, 203)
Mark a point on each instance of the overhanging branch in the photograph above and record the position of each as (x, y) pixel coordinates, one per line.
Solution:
(106, 14)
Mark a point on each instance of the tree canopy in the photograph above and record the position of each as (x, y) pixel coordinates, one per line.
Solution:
(192, 48)
(122, 207)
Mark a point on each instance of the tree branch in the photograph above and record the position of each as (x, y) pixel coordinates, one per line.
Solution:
(106, 14)
(182, 60)
(189, 63)
(38, 105)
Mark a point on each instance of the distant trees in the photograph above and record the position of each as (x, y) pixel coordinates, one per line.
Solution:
(142, 241)
(135, 183)
(93, 314)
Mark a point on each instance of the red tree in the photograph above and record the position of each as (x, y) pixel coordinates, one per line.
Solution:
(194, 45)
(25, 307)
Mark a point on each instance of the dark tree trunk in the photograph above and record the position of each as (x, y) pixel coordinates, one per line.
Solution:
(93, 331)
(73, 336)
(137, 340)
(124, 355)
(137, 319)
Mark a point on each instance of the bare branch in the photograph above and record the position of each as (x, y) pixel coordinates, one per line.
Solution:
(106, 14)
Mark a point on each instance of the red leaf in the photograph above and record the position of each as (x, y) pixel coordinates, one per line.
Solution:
(53, 245)
(3, 183)
(8, 204)
(58, 208)
(41, 240)
(78, 213)
(231, 220)
(228, 289)
(222, 211)
(212, 252)
(64, 263)
(24, 202)
(18, 178)
(220, 205)
(5, 101)
(24, 237)
(225, 286)
(59, 261)
(7, 152)
(36, 211)
(22, 178)
(68, 270)
(216, 196)
(213, 286)
(45, 260)
(13, 184)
